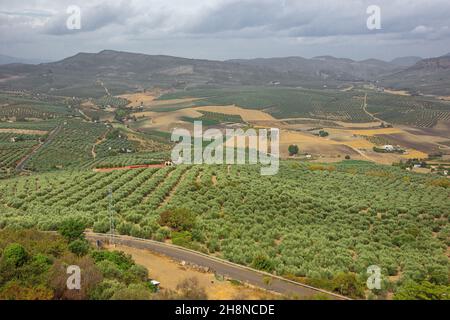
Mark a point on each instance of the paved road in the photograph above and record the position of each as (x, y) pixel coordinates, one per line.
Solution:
(225, 268)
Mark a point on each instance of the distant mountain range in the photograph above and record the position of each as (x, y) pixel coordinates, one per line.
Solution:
(83, 73)
(428, 76)
(8, 60)
(406, 61)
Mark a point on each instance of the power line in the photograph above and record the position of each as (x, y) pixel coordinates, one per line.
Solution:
(111, 216)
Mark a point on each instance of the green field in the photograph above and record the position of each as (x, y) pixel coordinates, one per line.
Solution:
(285, 102)
(414, 111)
(12, 151)
(21, 106)
(70, 146)
(111, 101)
(325, 104)
(309, 221)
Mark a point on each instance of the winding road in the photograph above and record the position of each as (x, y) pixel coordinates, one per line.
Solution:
(220, 266)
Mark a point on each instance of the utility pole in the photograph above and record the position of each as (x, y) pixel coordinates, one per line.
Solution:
(111, 217)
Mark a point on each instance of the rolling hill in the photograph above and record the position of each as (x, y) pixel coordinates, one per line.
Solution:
(427, 76)
(91, 74)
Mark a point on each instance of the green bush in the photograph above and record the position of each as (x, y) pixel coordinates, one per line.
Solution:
(183, 238)
(293, 149)
(133, 292)
(72, 229)
(14, 255)
(102, 226)
(80, 247)
(263, 262)
(348, 284)
(180, 219)
(136, 274)
(121, 259)
(106, 289)
(422, 291)
(110, 270)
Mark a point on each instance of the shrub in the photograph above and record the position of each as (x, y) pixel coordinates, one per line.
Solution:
(293, 149)
(180, 219)
(121, 259)
(79, 247)
(189, 289)
(136, 273)
(263, 262)
(422, 291)
(14, 290)
(106, 289)
(133, 292)
(72, 230)
(14, 255)
(102, 226)
(348, 284)
(183, 238)
(109, 269)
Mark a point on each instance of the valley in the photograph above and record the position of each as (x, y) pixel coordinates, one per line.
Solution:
(368, 184)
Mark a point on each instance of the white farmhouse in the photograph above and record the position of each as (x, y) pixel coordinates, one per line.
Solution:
(389, 148)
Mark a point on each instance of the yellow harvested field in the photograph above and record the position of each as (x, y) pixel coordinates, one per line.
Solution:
(170, 273)
(22, 131)
(161, 103)
(166, 121)
(362, 125)
(290, 137)
(246, 114)
(137, 98)
(373, 132)
(414, 154)
(88, 104)
(359, 144)
(397, 92)
(145, 114)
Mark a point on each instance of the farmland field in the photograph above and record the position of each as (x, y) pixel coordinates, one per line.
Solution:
(415, 111)
(27, 106)
(284, 102)
(326, 104)
(309, 221)
(315, 223)
(13, 147)
(70, 146)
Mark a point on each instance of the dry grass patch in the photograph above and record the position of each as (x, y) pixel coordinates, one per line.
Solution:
(136, 99)
(373, 132)
(171, 273)
(23, 131)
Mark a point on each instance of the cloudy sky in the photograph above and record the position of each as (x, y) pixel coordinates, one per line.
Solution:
(226, 29)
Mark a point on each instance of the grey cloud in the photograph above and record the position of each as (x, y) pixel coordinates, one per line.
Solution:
(199, 27)
(92, 18)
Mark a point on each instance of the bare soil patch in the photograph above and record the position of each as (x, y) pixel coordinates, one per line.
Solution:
(170, 273)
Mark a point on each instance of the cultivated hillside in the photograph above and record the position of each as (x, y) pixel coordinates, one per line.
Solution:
(428, 76)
